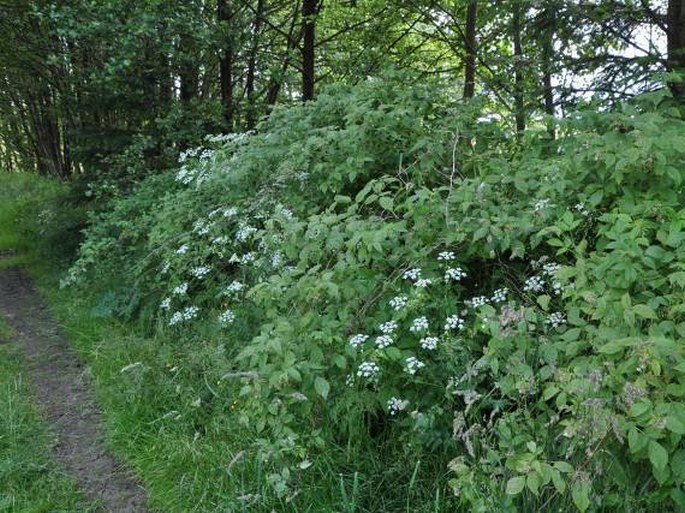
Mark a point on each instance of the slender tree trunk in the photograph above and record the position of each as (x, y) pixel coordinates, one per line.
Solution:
(252, 65)
(226, 62)
(188, 72)
(549, 20)
(309, 8)
(675, 21)
(471, 49)
(274, 86)
(519, 105)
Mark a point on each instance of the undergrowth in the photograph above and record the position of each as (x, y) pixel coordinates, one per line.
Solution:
(381, 302)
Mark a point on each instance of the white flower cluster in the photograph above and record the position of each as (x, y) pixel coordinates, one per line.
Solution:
(454, 274)
(181, 289)
(244, 233)
(248, 258)
(358, 340)
(234, 287)
(446, 255)
(540, 205)
(187, 314)
(581, 209)
(555, 320)
(477, 301)
(277, 259)
(396, 405)
(413, 364)
(200, 272)
(182, 250)
(226, 317)
(412, 274)
(419, 324)
(454, 322)
(388, 327)
(551, 268)
(422, 283)
(383, 341)
(398, 302)
(500, 295)
(165, 304)
(368, 370)
(429, 343)
(534, 284)
(202, 227)
(220, 241)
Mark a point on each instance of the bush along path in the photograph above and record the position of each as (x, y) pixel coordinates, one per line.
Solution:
(61, 388)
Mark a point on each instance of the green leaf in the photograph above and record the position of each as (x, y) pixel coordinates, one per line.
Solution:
(322, 387)
(515, 485)
(657, 455)
(385, 202)
(580, 493)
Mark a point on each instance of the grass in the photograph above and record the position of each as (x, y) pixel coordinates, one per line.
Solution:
(29, 481)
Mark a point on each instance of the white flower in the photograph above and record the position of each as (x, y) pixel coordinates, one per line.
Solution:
(500, 295)
(454, 322)
(454, 274)
(580, 208)
(533, 284)
(358, 340)
(248, 258)
(220, 241)
(413, 364)
(557, 287)
(477, 301)
(201, 227)
(368, 370)
(200, 272)
(540, 204)
(349, 380)
(429, 343)
(182, 250)
(398, 302)
(277, 259)
(181, 289)
(446, 255)
(555, 320)
(419, 324)
(226, 317)
(234, 287)
(412, 274)
(396, 405)
(383, 341)
(244, 233)
(422, 283)
(176, 318)
(190, 313)
(230, 212)
(388, 327)
(551, 269)
(165, 304)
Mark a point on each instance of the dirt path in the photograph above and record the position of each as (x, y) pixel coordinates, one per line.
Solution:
(61, 388)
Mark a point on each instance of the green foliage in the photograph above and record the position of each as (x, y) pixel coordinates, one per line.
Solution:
(388, 272)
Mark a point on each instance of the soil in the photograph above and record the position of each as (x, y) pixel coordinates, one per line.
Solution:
(62, 389)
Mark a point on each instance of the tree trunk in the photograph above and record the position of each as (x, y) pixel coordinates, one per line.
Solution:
(226, 63)
(675, 20)
(188, 72)
(549, 20)
(308, 31)
(252, 65)
(519, 105)
(471, 49)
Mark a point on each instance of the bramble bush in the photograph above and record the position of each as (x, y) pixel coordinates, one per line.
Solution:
(386, 269)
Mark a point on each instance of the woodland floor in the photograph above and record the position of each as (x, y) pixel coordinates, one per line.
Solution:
(61, 389)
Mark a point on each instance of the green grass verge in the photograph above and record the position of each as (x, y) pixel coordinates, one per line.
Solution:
(29, 481)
